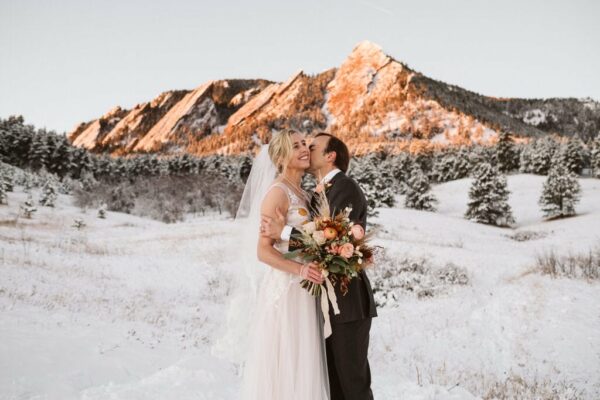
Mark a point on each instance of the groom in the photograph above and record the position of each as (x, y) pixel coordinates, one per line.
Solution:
(347, 347)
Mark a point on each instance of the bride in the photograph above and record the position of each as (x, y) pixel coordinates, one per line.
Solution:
(285, 357)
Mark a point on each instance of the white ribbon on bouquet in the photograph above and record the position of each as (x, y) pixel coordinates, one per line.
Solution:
(328, 292)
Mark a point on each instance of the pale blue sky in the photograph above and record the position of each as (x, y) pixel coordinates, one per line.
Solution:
(68, 61)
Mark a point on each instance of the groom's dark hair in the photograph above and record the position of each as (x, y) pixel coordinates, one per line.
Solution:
(342, 155)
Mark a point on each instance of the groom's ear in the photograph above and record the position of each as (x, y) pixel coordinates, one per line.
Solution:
(331, 156)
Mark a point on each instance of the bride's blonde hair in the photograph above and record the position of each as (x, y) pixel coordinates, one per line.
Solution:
(281, 148)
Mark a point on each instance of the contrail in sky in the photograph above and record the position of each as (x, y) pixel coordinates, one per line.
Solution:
(377, 7)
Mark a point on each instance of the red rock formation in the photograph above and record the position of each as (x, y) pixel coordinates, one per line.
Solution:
(372, 102)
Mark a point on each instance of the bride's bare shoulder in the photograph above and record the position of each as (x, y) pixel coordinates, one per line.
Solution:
(276, 197)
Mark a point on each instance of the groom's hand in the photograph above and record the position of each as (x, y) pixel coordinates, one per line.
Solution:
(272, 227)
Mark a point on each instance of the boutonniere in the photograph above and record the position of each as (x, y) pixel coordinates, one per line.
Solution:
(320, 187)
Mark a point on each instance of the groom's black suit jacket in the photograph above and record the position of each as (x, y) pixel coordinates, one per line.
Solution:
(358, 303)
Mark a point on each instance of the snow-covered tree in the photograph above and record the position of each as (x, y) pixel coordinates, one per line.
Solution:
(400, 165)
(376, 182)
(3, 195)
(66, 185)
(81, 161)
(418, 194)
(451, 164)
(463, 165)
(29, 181)
(27, 208)
(6, 177)
(188, 165)
(572, 155)
(507, 156)
(121, 198)
(479, 154)
(38, 152)
(488, 197)
(595, 157)
(48, 196)
(246, 166)
(536, 157)
(102, 211)
(78, 223)
(560, 193)
(88, 182)
(443, 165)
(60, 159)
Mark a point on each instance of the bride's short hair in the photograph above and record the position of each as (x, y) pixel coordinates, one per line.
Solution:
(281, 148)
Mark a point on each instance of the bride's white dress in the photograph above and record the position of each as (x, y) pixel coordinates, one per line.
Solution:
(286, 359)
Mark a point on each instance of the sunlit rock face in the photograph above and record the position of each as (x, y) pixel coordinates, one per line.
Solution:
(372, 101)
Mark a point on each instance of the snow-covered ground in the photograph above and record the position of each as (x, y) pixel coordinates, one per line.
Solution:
(130, 308)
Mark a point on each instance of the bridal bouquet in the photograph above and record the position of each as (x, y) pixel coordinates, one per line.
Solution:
(336, 244)
(339, 247)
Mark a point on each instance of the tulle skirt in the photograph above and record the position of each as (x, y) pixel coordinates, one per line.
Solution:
(286, 359)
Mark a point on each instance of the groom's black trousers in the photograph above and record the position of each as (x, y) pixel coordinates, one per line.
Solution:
(347, 364)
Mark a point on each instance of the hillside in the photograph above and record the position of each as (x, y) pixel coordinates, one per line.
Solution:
(127, 307)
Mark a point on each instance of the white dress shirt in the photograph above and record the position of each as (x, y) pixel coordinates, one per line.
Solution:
(287, 230)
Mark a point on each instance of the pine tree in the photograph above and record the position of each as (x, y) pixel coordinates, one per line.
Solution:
(443, 166)
(17, 143)
(102, 211)
(29, 182)
(78, 223)
(462, 166)
(6, 177)
(38, 152)
(81, 162)
(451, 164)
(573, 155)
(376, 183)
(489, 197)
(3, 195)
(60, 159)
(527, 151)
(536, 157)
(400, 167)
(595, 157)
(560, 193)
(418, 195)
(5, 140)
(245, 167)
(27, 208)
(507, 157)
(480, 154)
(49, 196)
(87, 182)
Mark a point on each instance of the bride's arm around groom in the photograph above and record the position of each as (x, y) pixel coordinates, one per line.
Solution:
(277, 199)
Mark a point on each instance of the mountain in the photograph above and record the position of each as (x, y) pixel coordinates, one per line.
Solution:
(372, 102)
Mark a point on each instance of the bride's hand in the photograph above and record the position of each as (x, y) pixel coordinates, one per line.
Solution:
(311, 272)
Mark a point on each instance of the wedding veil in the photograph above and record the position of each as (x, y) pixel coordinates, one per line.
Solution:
(247, 270)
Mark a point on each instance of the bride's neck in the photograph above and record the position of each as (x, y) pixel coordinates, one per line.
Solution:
(293, 176)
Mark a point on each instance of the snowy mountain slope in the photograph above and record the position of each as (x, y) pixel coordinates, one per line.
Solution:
(129, 308)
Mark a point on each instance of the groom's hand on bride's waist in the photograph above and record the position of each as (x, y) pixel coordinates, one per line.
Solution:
(272, 227)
